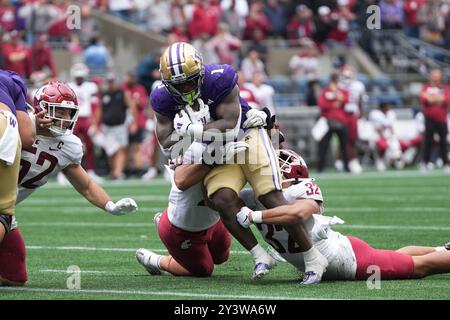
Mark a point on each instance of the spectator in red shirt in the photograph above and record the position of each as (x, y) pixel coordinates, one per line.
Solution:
(7, 16)
(136, 130)
(42, 56)
(16, 55)
(205, 19)
(331, 103)
(435, 98)
(301, 26)
(256, 20)
(411, 9)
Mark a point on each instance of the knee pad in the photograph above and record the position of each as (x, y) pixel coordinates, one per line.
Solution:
(13, 258)
(6, 221)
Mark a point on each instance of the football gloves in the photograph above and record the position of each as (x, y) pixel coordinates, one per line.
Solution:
(121, 207)
(255, 118)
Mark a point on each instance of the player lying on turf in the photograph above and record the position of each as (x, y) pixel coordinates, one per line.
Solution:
(348, 257)
(213, 90)
(55, 149)
(16, 131)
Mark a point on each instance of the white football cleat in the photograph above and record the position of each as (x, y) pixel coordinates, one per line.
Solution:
(263, 266)
(157, 218)
(149, 260)
(314, 271)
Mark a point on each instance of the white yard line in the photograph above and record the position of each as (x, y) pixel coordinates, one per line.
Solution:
(156, 293)
(82, 248)
(81, 271)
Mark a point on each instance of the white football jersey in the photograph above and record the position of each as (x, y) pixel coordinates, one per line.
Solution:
(47, 156)
(356, 90)
(334, 246)
(86, 95)
(187, 209)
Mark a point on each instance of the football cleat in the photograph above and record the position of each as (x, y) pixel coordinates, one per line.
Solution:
(311, 277)
(447, 246)
(149, 260)
(260, 270)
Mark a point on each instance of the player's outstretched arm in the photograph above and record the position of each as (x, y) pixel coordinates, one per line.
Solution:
(164, 131)
(187, 175)
(297, 212)
(95, 194)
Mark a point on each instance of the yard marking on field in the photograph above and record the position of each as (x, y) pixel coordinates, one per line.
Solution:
(81, 248)
(81, 271)
(156, 293)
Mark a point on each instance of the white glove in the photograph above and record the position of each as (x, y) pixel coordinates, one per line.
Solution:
(242, 217)
(230, 149)
(202, 115)
(121, 207)
(255, 118)
(181, 122)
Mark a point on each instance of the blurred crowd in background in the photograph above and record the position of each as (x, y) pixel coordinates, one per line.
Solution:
(116, 120)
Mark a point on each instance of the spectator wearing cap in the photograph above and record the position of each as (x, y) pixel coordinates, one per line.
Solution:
(435, 98)
(42, 56)
(87, 94)
(97, 57)
(136, 130)
(324, 24)
(225, 45)
(115, 102)
(331, 103)
(16, 55)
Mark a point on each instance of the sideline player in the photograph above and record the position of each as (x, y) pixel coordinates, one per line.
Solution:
(349, 257)
(186, 82)
(55, 149)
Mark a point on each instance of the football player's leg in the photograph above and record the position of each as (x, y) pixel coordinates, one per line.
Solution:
(223, 185)
(220, 243)
(9, 175)
(432, 263)
(416, 250)
(13, 269)
(188, 249)
(262, 171)
(390, 264)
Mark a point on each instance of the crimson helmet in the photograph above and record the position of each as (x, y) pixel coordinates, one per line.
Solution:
(61, 104)
(292, 165)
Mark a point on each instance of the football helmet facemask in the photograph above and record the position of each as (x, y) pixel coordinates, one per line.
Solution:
(292, 166)
(61, 104)
(182, 72)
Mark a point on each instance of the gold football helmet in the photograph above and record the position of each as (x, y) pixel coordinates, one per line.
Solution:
(182, 71)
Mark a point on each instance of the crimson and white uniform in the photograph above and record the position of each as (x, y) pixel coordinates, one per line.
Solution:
(193, 234)
(348, 258)
(86, 95)
(357, 91)
(48, 156)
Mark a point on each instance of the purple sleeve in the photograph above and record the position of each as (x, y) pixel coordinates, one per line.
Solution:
(225, 82)
(162, 102)
(20, 93)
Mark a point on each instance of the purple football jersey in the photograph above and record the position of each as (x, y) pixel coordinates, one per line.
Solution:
(13, 91)
(218, 82)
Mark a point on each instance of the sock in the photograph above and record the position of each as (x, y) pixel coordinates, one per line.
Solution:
(311, 256)
(440, 249)
(258, 253)
(155, 260)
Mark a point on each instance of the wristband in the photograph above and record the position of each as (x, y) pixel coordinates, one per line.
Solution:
(110, 206)
(257, 216)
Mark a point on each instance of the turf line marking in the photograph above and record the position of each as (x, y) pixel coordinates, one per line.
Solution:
(81, 271)
(78, 248)
(156, 293)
